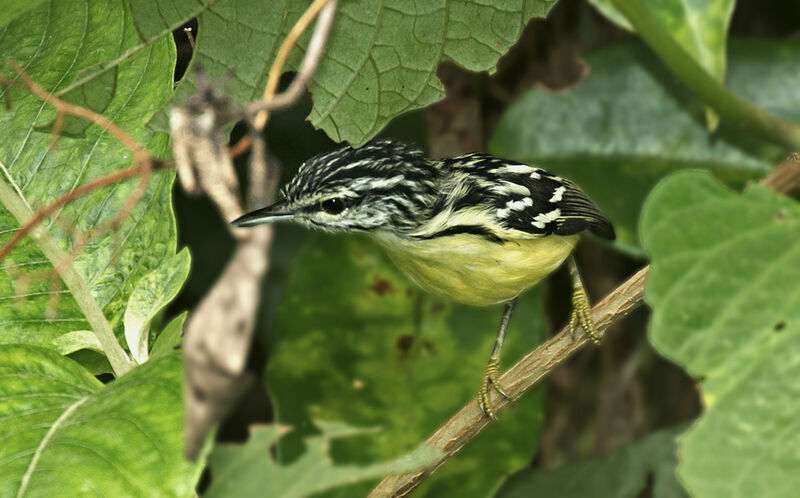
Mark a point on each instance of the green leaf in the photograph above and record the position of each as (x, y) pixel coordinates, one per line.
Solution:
(15, 8)
(380, 60)
(63, 431)
(726, 307)
(171, 337)
(54, 42)
(149, 297)
(153, 21)
(629, 123)
(156, 18)
(700, 27)
(77, 340)
(626, 472)
(251, 469)
(354, 340)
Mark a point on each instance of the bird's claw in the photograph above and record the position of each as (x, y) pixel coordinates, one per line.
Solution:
(490, 378)
(582, 315)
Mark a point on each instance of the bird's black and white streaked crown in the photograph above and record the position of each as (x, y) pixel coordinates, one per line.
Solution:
(392, 187)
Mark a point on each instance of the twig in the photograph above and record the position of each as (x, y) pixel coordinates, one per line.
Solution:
(139, 154)
(307, 67)
(270, 101)
(117, 357)
(143, 163)
(786, 177)
(530, 370)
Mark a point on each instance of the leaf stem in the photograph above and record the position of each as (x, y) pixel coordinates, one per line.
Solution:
(726, 103)
(77, 285)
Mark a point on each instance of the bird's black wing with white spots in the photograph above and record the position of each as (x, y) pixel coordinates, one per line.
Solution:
(532, 200)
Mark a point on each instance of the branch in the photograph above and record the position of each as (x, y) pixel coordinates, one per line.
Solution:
(531, 369)
(319, 38)
(117, 357)
(143, 165)
(219, 332)
(713, 93)
(307, 67)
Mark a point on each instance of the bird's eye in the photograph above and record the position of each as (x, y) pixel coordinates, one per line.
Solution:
(332, 206)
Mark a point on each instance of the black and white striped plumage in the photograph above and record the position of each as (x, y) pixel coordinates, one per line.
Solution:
(387, 186)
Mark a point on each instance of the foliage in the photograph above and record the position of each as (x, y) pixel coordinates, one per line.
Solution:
(727, 308)
(699, 27)
(380, 60)
(352, 340)
(64, 430)
(604, 134)
(623, 473)
(251, 470)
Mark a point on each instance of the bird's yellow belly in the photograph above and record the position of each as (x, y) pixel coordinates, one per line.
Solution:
(471, 270)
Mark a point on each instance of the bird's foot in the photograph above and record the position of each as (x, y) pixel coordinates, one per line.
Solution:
(490, 378)
(582, 315)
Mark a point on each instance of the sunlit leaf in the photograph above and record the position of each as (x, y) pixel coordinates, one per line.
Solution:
(53, 43)
(64, 432)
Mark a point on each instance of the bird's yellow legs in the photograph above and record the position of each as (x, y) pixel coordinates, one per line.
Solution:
(581, 315)
(492, 374)
(581, 309)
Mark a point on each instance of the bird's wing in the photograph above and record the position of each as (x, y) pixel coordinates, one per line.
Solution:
(531, 200)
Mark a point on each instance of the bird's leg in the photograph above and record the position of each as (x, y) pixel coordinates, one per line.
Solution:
(492, 375)
(581, 309)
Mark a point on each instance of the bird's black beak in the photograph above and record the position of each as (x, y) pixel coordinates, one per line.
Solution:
(273, 212)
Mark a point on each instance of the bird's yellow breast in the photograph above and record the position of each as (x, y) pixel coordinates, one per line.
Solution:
(472, 270)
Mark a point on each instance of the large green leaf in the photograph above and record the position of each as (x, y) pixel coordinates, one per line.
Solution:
(14, 8)
(64, 433)
(153, 21)
(54, 42)
(726, 306)
(380, 60)
(622, 474)
(354, 340)
(629, 123)
(251, 469)
(700, 27)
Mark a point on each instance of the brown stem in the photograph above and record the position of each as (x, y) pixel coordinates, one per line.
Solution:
(70, 196)
(530, 370)
(270, 101)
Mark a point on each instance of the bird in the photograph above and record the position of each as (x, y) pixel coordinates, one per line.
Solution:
(474, 229)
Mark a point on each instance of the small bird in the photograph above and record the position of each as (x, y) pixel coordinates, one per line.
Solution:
(475, 229)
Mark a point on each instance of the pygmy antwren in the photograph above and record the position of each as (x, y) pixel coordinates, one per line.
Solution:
(474, 229)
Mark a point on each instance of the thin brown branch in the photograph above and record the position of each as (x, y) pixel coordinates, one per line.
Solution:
(70, 196)
(786, 177)
(270, 101)
(139, 154)
(143, 163)
(530, 370)
(307, 67)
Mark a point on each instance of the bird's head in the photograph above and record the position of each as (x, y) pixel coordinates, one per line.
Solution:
(380, 186)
